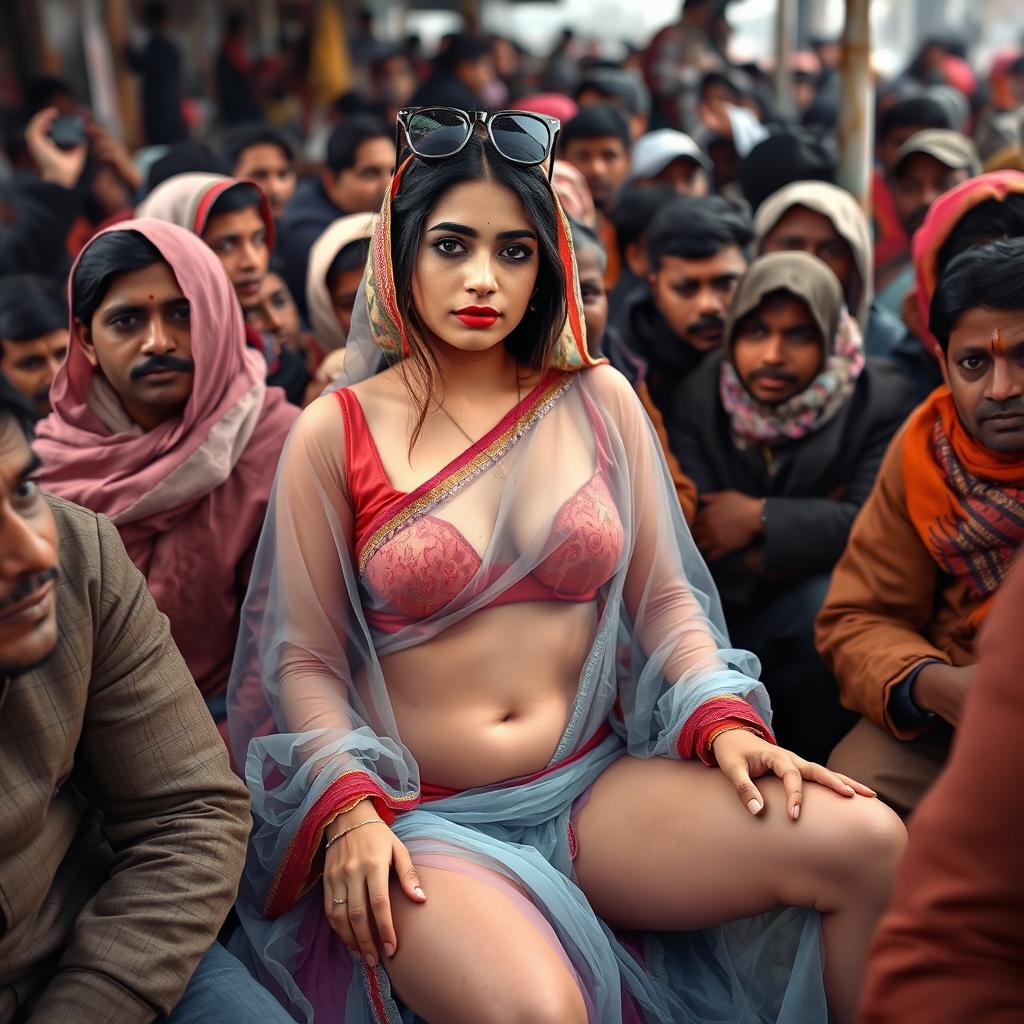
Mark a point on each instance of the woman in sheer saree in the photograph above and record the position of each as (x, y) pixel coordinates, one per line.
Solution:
(492, 727)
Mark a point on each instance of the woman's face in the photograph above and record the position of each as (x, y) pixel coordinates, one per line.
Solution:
(476, 267)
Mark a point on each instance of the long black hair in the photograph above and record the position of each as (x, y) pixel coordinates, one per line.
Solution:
(107, 257)
(423, 184)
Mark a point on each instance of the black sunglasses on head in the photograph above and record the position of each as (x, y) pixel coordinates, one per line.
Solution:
(521, 137)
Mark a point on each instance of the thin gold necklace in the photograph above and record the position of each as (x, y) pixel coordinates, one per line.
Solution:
(499, 470)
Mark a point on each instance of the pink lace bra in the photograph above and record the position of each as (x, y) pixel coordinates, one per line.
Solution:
(421, 567)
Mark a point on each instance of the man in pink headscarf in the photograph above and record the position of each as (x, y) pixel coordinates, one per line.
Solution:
(162, 420)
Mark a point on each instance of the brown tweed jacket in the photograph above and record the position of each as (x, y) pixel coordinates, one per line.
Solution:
(122, 828)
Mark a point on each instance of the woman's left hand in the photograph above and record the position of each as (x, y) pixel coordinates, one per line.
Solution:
(744, 756)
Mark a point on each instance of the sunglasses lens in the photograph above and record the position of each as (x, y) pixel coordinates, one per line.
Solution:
(436, 132)
(521, 137)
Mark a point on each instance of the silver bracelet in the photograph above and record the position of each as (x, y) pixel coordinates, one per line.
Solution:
(352, 828)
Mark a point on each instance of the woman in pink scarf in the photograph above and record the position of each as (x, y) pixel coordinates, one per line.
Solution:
(187, 485)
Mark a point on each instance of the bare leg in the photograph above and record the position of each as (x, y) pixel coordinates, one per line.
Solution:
(470, 955)
(646, 818)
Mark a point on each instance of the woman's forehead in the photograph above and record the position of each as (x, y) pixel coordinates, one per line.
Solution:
(486, 206)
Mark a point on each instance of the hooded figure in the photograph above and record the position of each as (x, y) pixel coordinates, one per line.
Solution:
(330, 331)
(880, 330)
(783, 440)
(186, 200)
(943, 217)
(189, 495)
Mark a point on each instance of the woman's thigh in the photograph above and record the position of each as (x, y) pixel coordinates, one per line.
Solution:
(668, 845)
(477, 951)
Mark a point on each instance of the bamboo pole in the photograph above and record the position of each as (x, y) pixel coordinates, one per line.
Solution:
(785, 24)
(857, 104)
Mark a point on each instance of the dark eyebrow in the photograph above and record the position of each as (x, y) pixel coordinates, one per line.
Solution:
(468, 232)
(33, 465)
(122, 310)
(459, 229)
(973, 350)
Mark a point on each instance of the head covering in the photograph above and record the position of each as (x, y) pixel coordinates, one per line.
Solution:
(186, 200)
(938, 225)
(342, 232)
(166, 488)
(792, 155)
(806, 278)
(653, 152)
(553, 104)
(846, 216)
(965, 501)
(952, 149)
(574, 194)
(387, 330)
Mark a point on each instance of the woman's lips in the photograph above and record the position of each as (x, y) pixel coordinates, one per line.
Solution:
(477, 317)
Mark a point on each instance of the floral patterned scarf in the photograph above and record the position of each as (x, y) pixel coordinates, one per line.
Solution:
(753, 422)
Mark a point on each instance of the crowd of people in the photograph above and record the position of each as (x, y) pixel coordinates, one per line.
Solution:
(518, 544)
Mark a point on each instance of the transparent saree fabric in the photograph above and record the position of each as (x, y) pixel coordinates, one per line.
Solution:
(312, 720)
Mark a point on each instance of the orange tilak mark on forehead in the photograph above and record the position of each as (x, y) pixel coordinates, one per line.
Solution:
(996, 343)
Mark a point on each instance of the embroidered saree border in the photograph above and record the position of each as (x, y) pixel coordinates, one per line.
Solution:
(470, 464)
(296, 876)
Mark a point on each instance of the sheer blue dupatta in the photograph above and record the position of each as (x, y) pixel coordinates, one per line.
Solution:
(312, 719)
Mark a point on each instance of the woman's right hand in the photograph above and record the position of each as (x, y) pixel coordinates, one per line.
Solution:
(357, 869)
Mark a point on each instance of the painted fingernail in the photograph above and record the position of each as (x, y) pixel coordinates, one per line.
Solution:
(754, 806)
(419, 892)
(389, 950)
(795, 813)
(371, 961)
(850, 790)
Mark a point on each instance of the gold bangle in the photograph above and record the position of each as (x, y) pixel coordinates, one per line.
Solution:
(352, 828)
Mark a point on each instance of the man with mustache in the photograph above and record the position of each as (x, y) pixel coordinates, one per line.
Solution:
(122, 828)
(697, 254)
(937, 537)
(33, 336)
(783, 432)
(162, 420)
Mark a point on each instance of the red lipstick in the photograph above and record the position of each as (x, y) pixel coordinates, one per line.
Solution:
(477, 317)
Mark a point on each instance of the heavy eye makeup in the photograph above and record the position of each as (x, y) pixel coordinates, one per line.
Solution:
(452, 248)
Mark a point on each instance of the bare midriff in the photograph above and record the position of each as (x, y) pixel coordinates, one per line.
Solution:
(489, 698)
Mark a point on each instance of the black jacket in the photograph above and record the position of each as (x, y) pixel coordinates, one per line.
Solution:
(309, 213)
(814, 487)
(669, 359)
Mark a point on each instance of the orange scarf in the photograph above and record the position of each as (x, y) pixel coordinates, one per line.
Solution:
(966, 503)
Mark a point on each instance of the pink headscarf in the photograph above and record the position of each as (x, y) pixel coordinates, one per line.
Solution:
(943, 216)
(553, 104)
(190, 495)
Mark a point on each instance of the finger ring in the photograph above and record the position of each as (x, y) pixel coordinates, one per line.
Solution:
(339, 903)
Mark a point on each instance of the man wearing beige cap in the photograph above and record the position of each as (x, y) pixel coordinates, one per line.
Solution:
(928, 164)
(669, 157)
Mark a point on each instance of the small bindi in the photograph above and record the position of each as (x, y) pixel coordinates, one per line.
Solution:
(996, 344)
(152, 297)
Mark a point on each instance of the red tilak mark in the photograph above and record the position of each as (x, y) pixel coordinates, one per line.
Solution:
(152, 297)
(997, 345)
